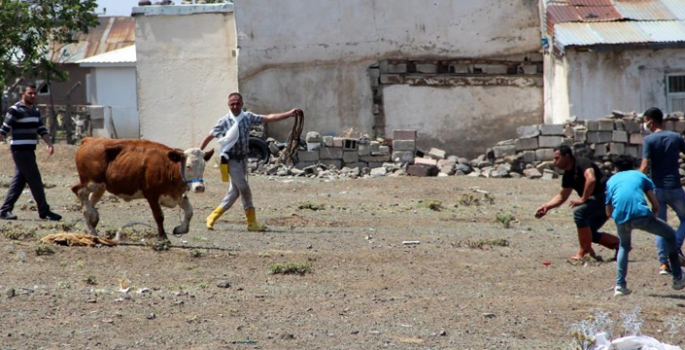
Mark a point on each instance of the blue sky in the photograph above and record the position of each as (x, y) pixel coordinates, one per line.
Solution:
(117, 7)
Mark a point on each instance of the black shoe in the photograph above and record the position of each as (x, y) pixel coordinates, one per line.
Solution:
(8, 216)
(50, 216)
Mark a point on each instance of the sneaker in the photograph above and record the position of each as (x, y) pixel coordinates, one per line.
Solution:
(50, 216)
(679, 284)
(621, 291)
(8, 216)
(664, 269)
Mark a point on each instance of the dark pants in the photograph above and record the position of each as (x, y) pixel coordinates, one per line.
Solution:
(26, 172)
(591, 214)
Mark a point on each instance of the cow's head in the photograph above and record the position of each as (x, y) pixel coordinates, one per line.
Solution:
(192, 164)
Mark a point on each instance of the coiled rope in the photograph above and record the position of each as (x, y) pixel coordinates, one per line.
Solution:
(289, 153)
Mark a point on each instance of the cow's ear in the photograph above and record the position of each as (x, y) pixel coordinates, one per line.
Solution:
(209, 154)
(176, 155)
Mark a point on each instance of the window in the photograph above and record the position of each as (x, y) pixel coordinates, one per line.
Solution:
(675, 93)
(43, 88)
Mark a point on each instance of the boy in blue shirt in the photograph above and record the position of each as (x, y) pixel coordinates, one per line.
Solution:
(625, 203)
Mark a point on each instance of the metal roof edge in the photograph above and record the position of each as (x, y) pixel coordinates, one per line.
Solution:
(179, 10)
(107, 64)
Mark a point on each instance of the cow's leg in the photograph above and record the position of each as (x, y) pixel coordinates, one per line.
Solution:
(89, 212)
(159, 217)
(96, 195)
(187, 215)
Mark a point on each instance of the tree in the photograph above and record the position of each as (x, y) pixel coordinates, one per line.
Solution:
(28, 27)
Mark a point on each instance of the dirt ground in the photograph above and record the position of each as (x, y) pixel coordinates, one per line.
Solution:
(365, 290)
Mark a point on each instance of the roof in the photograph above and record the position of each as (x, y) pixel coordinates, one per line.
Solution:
(125, 57)
(112, 33)
(612, 22)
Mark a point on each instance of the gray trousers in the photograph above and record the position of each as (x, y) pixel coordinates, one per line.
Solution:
(237, 169)
(25, 172)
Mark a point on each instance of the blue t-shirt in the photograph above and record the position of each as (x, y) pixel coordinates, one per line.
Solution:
(663, 151)
(626, 193)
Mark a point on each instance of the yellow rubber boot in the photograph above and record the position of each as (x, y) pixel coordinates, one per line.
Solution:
(211, 219)
(252, 224)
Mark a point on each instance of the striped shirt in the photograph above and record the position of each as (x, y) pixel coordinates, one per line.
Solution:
(24, 124)
(241, 148)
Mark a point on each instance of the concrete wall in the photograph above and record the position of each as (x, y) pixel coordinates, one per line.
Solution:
(186, 69)
(316, 55)
(589, 85)
(115, 88)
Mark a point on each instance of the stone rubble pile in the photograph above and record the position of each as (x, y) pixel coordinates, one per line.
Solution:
(530, 155)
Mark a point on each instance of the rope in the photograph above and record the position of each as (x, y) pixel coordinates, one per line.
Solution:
(289, 153)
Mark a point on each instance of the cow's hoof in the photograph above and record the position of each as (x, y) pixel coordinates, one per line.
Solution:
(179, 231)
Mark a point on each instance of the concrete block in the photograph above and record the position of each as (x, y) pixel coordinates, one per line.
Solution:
(337, 142)
(330, 153)
(549, 141)
(397, 67)
(580, 135)
(427, 68)
(383, 151)
(567, 141)
(619, 136)
(374, 159)
(631, 126)
(526, 144)
(350, 157)
(679, 126)
(313, 137)
(373, 165)
(304, 156)
(552, 130)
(569, 131)
(592, 125)
(619, 125)
(528, 156)
(532, 173)
(403, 145)
(544, 154)
(437, 153)
(548, 174)
(425, 161)
(669, 125)
(327, 141)
(373, 146)
(359, 165)
(422, 170)
(599, 136)
(337, 163)
(632, 151)
(404, 134)
(403, 156)
(503, 151)
(606, 125)
(636, 139)
(601, 149)
(526, 132)
(617, 148)
(349, 144)
(363, 150)
(302, 165)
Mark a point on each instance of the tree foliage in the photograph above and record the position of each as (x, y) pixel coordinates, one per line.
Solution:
(27, 27)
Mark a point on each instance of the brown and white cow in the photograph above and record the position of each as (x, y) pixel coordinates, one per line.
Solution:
(135, 169)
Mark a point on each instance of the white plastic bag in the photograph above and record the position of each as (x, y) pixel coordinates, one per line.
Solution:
(632, 342)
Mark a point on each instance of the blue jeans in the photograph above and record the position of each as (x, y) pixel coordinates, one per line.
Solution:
(674, 198)
(591, 214)
(652, 225)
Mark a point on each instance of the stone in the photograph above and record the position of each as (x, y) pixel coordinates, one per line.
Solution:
(464, 168)
(549, 141)
(378, 172)
(330, 153)
(526, 144)
(619, 136)
(532, 173)
(509, 142)
(313, 137)
(403, 134)
(304, 156)
(425, 161)
(552, 130)
(422, 170)
(350, 157)
(436, 153)
(403, 156)
(503, 151)
(223, 284)
(549, 174)
(359, 165)
(526, 132)
(403, 145)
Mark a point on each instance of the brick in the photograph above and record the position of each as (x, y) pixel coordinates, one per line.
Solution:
(404, 134)
(617, 148)
(619, 136)
(635, 139)
(606, 125)
(599, 136)
(334, 162)
(503, 151)
(552, 130)
(403, 145)
(526, 132)
(544, 154)
(437, 153)
(631, 126)
(337, 142)
(549, 141)
(425, 161)
(422, 170)
(580, 135)
(403, 156)
(376, 159)
(526, 144)
(350, 157)
(330, 153)
(304, 156)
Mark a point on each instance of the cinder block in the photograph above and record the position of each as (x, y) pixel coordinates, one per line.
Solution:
(350, 157)
(552, 130)
(403, 134)
(567, 141)
(631, 126)
(617, 148)
(528, 156)
(580, 135)
(544, 154)
(349, 144)
(601, 149)
(526, 144)
(425, 161)
(384, 151)
(403, 156)
(337, 163)
(592, 125)
(606, 125)
(619, 136)
(503, 151)
(679, 126)
(304, 156)
(359, 165)
(635, 139)
(337, 142)
(619, 125)
(599, 136)
(422, 170)
(373, 146)
(632, 151)
(403, 145)
(549, 141)
(436, 153)
(302, 165)
(374, 159)
(330, 153)
(363, 150)
(526, 132)
(328, 141)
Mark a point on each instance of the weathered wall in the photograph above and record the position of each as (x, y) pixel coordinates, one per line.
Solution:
(60, 88)
(186, 69)
(596, 83)
(316, 55)
(116, 89)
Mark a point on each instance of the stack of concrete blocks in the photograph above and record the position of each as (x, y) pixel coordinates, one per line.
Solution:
(403, 146)
(341, 152)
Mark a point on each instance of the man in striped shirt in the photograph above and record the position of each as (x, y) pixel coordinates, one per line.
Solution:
(23, 122)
